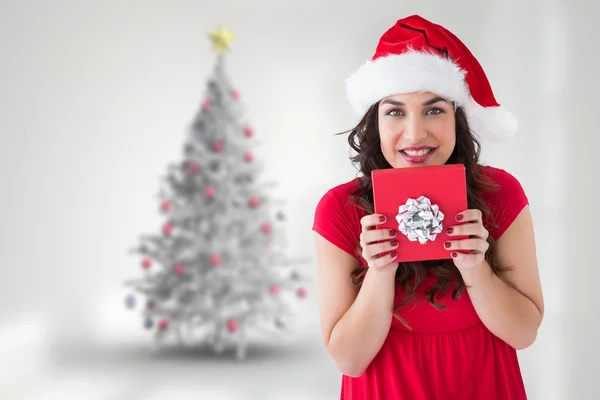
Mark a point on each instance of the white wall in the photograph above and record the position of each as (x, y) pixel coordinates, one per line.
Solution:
(96, 97)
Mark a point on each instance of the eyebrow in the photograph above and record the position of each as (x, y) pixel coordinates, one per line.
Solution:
(427, 103)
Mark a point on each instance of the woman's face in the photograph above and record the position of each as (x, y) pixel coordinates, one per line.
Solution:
(416, 129)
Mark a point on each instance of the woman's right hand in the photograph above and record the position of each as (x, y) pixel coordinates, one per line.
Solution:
(375, 241)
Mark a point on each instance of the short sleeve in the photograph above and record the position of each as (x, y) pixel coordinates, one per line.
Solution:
(336, 222)
(506, 203)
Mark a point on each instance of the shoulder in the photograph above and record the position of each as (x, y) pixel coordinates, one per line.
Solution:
(339, 195)
(503, 185)
(499, 176)
(506, 198)
(337, 218)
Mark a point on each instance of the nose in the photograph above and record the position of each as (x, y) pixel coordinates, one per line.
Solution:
(415, 130)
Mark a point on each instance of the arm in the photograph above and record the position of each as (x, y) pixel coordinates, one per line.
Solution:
(512, 314)
(354, 324)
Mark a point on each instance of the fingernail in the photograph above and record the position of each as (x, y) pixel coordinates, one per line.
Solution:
(382, 218)
(394, 255)
(449, 230)
(394, 243)
(447, 245)
(459, 217)
(454, 254)
(392, 232)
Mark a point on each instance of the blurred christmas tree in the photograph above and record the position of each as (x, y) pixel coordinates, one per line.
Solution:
(217, 270)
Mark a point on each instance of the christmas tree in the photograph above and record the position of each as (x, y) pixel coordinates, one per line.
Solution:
(217, 269)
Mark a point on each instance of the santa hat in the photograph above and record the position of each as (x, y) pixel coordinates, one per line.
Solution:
(416, 55)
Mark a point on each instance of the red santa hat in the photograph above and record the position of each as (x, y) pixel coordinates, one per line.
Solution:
(416, 55)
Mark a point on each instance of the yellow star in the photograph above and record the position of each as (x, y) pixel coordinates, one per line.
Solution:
(221, 39)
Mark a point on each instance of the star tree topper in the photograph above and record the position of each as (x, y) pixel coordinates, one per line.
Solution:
(221, 39)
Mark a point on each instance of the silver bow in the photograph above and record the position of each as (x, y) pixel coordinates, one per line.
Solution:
(419, 220)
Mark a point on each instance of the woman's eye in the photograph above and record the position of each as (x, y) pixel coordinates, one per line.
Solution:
(434, 111)
(394, 112)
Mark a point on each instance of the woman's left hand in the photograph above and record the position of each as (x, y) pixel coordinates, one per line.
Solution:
(476, 243)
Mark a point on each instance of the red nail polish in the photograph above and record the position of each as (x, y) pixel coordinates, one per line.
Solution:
(447, 245)
(394, 255)
(459, 217)
(382, 218)
(454, 254)
(394, 243)
(392, 233)
(449, 230)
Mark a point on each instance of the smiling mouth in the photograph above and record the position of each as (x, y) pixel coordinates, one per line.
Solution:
(417, 153)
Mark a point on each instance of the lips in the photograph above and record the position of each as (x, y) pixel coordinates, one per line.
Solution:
(417, 155)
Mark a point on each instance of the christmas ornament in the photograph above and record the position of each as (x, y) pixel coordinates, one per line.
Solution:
(218, 146)
(215, 260)
(248, 132)
(163, 324)
(148, 323)
(274, 289)
(248, 156)
(232, 325)
(193, 167)
(221, 39)
(301, 292)
(167, 228)
(253, 202)
(146, 263)
(165, 205)
(180, 268)
(266, 227)
(130, 301)
(209, 192)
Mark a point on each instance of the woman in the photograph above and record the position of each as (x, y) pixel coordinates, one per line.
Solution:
(445, 329)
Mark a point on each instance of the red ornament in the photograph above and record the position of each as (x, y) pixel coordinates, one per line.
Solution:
(167, 228)
(206, 105)
(266, 227)
(249, 132)
(163, 324)
(146, 263)
(215, 260)
(248, 156)
(235, 94)
(232, 325)
(218, 146)
(180, 268)
(193, 167)
(165, 205)
(209, 192)
(253, 202)
(274, 289)
(301, 292)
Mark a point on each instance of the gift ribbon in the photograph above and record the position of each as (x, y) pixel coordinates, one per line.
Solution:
(419, 220)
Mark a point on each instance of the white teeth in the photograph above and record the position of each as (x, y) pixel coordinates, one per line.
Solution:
(416, 153)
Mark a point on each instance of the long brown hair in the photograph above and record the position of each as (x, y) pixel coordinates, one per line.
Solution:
(364, 139)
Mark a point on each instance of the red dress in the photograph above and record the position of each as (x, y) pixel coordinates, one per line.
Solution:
(449, 354)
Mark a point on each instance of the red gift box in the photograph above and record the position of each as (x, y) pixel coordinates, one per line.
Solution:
(444, 185)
